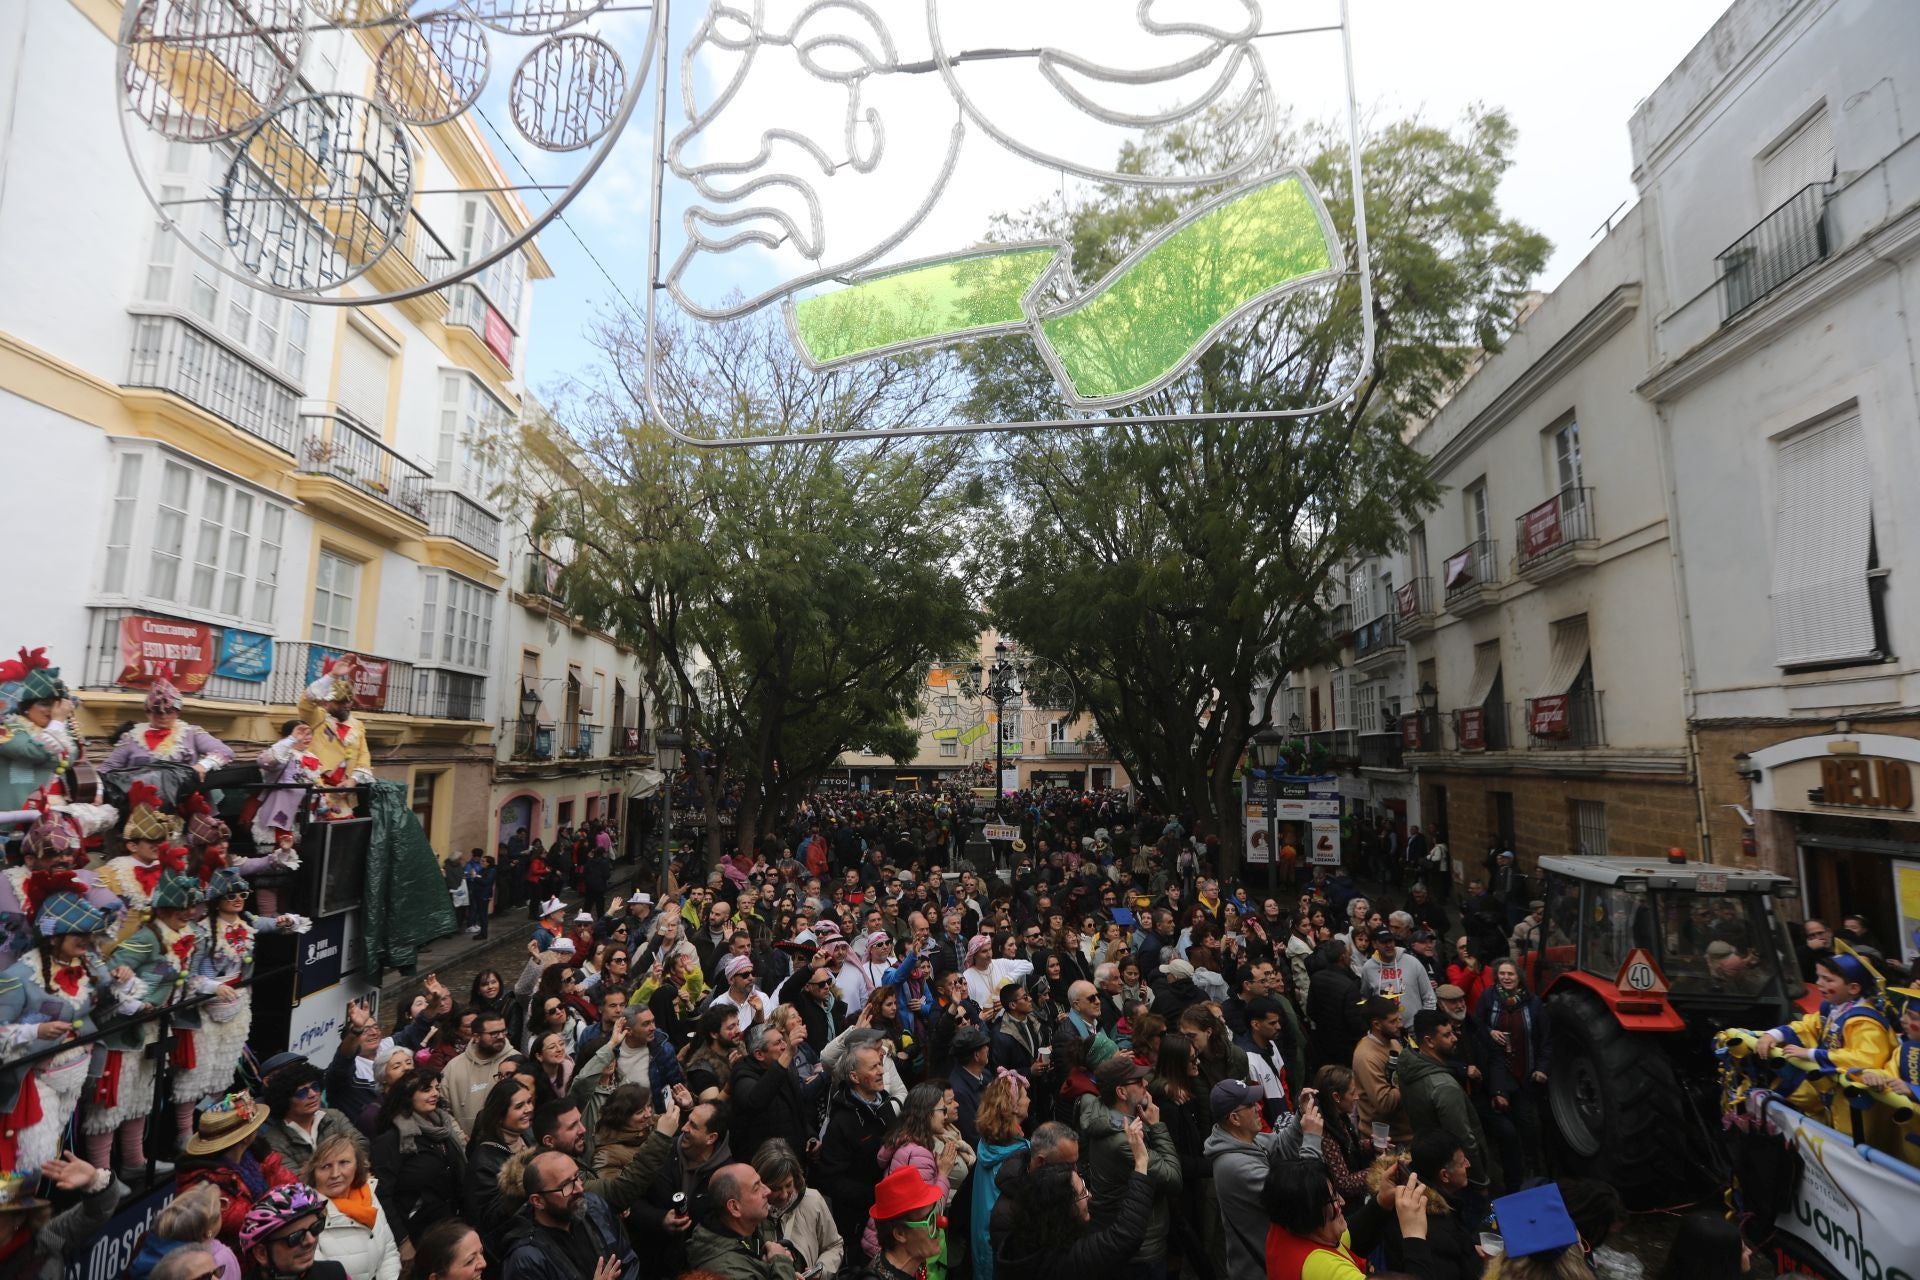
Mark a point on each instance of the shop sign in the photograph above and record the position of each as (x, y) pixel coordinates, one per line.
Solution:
(1540, 530)
(1862, 783)
(1473, 728)
(1326, 842)
(1547, 717)
(161, 648)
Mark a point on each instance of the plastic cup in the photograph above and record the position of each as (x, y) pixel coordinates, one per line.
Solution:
(1382, 1135)
(1492, 1245)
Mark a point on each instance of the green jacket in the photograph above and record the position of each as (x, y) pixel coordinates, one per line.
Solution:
(25, 765)
(1106, 1163)
(1431, 1097)
(734, 1257)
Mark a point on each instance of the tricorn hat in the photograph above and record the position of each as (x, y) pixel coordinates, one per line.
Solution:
(146, 818)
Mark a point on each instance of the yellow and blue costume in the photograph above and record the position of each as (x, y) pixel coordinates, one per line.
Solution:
(1844, 1037)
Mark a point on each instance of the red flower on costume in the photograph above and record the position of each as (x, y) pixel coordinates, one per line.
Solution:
(144, 795)
(28, 661)
(42, 885)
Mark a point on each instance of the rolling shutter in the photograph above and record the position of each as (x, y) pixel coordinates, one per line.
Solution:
(1822, 544)
(365, 371)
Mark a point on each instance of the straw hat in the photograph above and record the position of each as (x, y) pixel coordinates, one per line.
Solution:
(15, 1192)
(233, 1119)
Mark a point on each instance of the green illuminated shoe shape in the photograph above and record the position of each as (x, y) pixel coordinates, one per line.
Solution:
(1129, 335)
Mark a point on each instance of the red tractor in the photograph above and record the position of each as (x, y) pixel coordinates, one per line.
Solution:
(1641, 963)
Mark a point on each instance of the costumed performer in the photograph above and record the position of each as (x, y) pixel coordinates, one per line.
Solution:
(135, 874)
(339, 739)
(47, 997)
(164, 738)
(38, 747)
(162, 954)
(292, 765)
(229, 932)
(208, 842)
(56, 842)
(1847, 1031)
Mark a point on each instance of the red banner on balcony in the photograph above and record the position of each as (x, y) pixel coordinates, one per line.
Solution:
(1540, 529)
(1547, 717)
(1409, 598)
(499, 337)
(1473, 728)
(369, 675)
(1459, 570)
(1413, 734)
(160, 648)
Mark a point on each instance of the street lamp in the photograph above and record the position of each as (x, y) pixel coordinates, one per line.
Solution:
(1267, 746)
(666, 752)
(1005, 681)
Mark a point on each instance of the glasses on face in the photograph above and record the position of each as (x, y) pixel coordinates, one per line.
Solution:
(566, 1184)
(294, 1239)
(307, 1090)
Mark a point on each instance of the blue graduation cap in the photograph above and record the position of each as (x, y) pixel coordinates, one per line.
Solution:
(1535, 1221)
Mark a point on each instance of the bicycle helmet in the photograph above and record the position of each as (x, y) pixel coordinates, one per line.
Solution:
(278, 1208)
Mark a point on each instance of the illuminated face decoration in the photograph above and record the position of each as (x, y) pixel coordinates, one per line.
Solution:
(841, 159)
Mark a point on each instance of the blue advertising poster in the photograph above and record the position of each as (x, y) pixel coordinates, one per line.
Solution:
(110, 1253)
(244, 655)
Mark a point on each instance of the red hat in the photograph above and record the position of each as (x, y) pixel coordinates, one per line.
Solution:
(902, 1192)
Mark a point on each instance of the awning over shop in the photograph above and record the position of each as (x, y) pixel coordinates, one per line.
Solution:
(1569, 657)
(644, 783)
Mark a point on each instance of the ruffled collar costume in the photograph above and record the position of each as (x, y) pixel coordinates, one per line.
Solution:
(35, 759)
(177, 742)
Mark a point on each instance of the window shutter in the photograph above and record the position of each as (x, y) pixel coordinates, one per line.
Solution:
(1822, 541)
(1801, 159)
(364, 374)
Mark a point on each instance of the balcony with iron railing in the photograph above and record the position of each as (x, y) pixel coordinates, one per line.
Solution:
(297, 663)
(104, 663)
(1482, 728)
(1341, 744)
(543, 577)
(537, 743)
(1555, 537)
(1383, 750)
(1066, 747)
(1570, 721)
(1473, 578)
(421, 255)
(345, 469)
(1414, 608)
(472, 317)
(452, 514)
(1778, 248)
(629, 740)
(1420, 731)
(1376, 643)
(174, 354)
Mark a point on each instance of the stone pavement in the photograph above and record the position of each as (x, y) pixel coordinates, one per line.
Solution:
(456, 959)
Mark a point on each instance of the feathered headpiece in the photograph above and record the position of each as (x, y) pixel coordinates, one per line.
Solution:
(210, 865)
(204, 826)
(162, 696)
(176, 887)
(57, 904)
(341, 686)
(146, 818)
(30, 677)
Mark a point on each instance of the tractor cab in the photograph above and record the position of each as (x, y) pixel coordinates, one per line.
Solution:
(1642, 962)
(1670, 944)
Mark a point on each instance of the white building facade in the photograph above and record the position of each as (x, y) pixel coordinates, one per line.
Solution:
(244, 473)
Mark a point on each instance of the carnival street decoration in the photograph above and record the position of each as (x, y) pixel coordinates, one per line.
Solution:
(270, 166)
(840, 162)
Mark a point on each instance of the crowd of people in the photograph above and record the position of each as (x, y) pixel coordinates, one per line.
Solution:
(834, 1054)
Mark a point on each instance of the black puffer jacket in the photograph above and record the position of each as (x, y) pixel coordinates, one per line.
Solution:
(419, 1188)
(1100, 1250)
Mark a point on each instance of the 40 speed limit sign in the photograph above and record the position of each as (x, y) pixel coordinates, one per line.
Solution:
(1640, 975)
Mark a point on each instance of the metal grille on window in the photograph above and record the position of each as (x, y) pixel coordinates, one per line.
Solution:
(1590, 827)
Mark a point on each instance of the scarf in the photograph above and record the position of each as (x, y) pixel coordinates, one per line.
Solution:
(252, 1176)
(438, 1128)
(1510, 1015)
(359, 1205)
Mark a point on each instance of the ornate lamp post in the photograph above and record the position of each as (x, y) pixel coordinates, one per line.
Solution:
(1002, 683)
(1267, 745)
(666, 752)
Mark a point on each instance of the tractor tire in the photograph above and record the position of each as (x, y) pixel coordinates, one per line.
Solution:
(1619, 1111)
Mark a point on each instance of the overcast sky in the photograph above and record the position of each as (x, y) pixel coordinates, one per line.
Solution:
(1568, 75)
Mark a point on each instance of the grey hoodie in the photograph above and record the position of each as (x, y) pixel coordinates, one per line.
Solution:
(1239, 1178)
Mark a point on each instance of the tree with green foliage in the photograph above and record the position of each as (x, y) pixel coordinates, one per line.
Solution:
(789, 601)
(1176, 573)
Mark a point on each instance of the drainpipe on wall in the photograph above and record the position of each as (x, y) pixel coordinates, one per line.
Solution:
(1677, 562)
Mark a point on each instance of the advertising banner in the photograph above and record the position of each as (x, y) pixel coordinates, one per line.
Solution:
(244, 655)
(1326, 842)
(1412, 732)
(1540, 530)
(1473, 729)
(1547, 717)
(1852, 1218)
(1000, 831)
(1259, 846)
(1906, 882)
(321, 950)
(155, 648)
(369, 679)
(111, 1252)
(499, 337)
